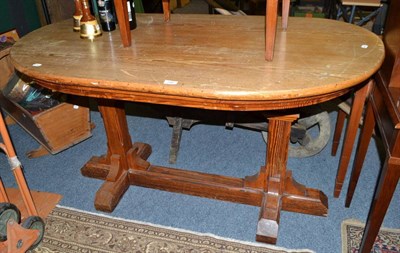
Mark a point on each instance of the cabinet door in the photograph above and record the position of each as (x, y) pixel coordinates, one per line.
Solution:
(52, 11)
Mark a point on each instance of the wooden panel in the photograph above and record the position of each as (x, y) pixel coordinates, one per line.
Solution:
(64, 125)
(391, 39)
(395, 77)
(24, 119)
(372, 3)
(60, 10)
(44, 201)
(56, 128)
(395, 92)
(41, 14)
(383, 116)
(6, 68)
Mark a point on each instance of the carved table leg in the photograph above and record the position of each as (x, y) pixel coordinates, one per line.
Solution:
(274, 177)
(119, 142)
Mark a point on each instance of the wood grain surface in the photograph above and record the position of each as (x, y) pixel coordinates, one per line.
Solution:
(371, 3)
(215, 58)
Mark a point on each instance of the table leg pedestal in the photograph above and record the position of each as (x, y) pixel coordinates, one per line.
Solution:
(115, 185)
(268, 222)
(273, 183)
(273, 188)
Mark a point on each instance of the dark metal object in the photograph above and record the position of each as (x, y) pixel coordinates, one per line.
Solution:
(309, 135)
(178, 124)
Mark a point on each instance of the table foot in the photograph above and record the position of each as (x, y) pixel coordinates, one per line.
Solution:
(137, 156)
(268, 223)
(300, 199)
(267, 231)
(110, 193)
(99, 166)
(295, 197)
(110, 168)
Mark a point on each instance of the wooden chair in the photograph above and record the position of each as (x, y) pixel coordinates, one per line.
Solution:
(355, 117)
(270, 22)
(357, 108)
(383, 110)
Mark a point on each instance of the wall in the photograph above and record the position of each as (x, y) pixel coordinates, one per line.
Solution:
(18, 14)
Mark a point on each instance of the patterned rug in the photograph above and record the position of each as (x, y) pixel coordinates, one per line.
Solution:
(72, 231)
(387, 241)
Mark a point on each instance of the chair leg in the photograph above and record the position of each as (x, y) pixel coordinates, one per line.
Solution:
(364, 140)
(285, 13)
(123, 23)
(384, 191)
(350, 136)
(270, 31)
(338, 131)
(166, 10)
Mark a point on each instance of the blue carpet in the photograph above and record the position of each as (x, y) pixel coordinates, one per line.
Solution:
(212, 149)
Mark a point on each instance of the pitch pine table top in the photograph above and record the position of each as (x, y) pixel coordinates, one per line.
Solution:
(204, 61)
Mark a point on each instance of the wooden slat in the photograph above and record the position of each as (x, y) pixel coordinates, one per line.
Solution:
(44, 201)
(371, 3)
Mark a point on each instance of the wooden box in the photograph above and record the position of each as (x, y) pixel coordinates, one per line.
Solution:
(56, 128)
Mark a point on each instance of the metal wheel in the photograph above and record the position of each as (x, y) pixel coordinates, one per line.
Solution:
(7, 211)
(317, 135)
(35, 222)
(313, 134)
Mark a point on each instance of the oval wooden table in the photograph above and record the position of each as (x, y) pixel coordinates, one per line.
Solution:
(207, 62)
